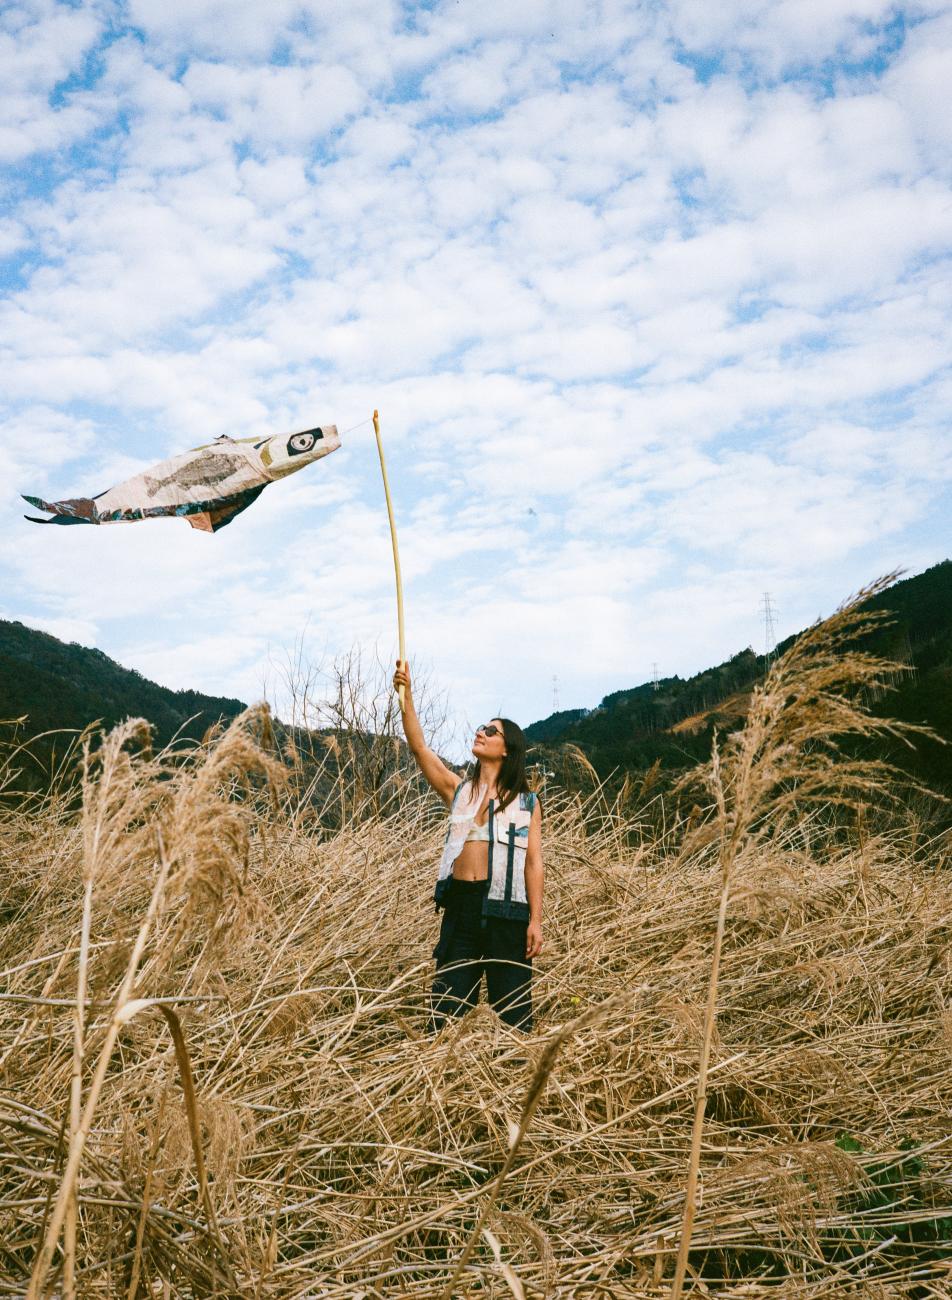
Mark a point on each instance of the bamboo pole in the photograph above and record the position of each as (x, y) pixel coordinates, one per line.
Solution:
(396, 552)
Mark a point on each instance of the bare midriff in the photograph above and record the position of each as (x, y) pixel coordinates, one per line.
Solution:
(473, 860)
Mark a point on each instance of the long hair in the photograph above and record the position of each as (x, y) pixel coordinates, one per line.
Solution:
(512, 775)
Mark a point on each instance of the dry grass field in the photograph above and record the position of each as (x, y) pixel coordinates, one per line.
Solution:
(216, 1079)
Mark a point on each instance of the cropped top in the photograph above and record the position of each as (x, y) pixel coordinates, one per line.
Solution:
(478, 834)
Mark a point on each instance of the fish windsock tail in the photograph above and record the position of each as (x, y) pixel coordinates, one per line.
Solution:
(80, 510)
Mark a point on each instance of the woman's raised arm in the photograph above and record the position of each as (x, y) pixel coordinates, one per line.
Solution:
(441, 778)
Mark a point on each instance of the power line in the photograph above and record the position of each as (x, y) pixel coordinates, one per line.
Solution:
(655, 680)
(555, 693)
(769, 612)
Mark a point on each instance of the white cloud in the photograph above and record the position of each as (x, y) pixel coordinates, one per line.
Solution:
(919, 81)
(41, 44)
(484, 80)
(779, 35)
(646, 343)
(236, 28)
(286, 106)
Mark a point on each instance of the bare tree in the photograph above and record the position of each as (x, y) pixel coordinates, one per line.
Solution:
(342, 731)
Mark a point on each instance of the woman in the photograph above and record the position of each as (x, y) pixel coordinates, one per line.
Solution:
(489, 881)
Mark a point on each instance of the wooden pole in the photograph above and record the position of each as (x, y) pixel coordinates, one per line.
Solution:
(396, 552)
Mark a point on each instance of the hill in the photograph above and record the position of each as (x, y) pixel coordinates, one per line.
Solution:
(672, 721)
(308, 1136)
(58, 685)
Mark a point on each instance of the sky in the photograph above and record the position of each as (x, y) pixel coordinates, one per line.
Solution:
(654, 299)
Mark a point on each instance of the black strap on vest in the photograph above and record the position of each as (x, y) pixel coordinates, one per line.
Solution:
(489, 873)
(510, 860)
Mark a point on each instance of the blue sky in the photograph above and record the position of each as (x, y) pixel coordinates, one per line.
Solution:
(654, 299)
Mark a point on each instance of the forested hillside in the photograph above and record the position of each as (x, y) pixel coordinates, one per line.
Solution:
(57, 686)
(673, 721)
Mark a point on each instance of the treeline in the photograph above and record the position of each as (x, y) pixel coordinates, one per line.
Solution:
(633, 729)
(665, 725)
(60, 687)
(342, 746)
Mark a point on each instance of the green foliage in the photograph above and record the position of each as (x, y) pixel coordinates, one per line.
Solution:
(59, 687)
(894, 1206)
(632, 729)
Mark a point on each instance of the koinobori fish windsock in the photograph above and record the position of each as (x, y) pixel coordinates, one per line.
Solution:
(208, 486)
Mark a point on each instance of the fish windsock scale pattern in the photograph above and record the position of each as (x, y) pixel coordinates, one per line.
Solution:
(208, 486)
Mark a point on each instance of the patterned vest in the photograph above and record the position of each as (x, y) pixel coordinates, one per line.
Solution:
(505, 894)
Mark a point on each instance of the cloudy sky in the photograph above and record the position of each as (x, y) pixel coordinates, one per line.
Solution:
(654, 299)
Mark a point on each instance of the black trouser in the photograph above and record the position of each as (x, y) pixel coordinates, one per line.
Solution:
(468, 948)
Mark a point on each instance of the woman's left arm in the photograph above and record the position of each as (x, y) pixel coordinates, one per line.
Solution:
(534, 883)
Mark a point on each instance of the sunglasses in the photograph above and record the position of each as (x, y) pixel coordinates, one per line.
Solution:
(489, 729)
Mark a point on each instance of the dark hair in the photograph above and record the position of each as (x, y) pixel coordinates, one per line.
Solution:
(512, 775)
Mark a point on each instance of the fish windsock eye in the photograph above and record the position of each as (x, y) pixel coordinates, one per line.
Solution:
(299, 443)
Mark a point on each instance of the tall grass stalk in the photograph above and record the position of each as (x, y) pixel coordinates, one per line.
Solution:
(76, 1086)
(329, 1146)
(78, 1139)
(787, 756)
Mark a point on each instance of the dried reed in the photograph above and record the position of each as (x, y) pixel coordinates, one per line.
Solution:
(332, 1148)
(787, 756)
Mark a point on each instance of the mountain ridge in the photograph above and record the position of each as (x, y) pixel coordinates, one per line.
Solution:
(63, 686)
(672, 721)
